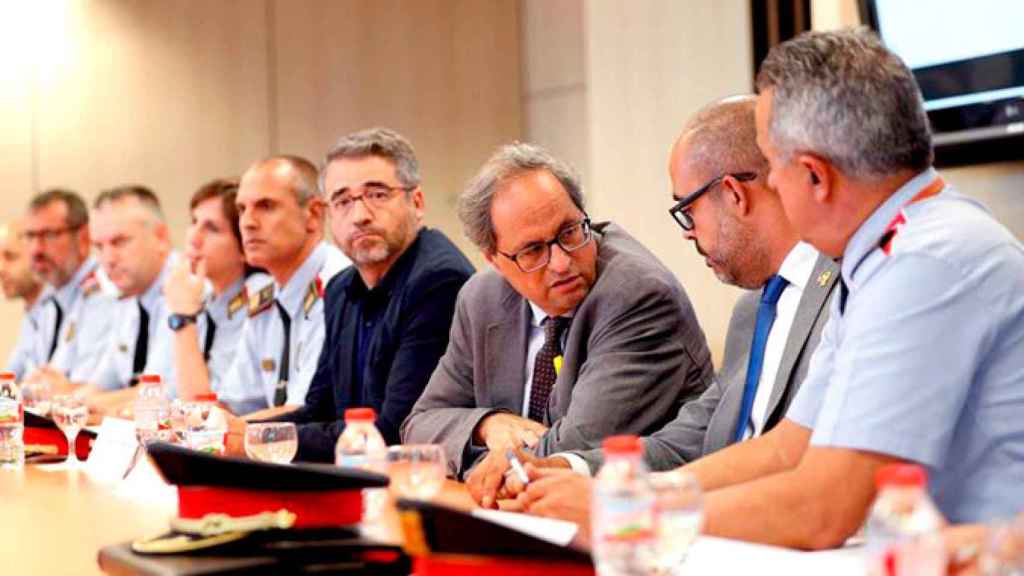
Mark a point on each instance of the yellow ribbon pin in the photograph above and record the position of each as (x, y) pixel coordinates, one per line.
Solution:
(558, 364)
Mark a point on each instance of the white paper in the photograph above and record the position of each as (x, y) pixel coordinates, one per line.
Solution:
(557, 532)
(113, 450)
(711, 555)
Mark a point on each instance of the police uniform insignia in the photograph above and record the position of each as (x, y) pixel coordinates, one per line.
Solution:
(312, 295)
(824, 277)
(238, 302)
(70, 334)
(122, 347)
(267, 364)
(264, 299)
(89, 285)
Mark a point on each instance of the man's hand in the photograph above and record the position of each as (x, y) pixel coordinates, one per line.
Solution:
(561, 494)
(234, 441)
(514, 486)
(501, 431)
(964, 544)
(184, 291)
(59, 384)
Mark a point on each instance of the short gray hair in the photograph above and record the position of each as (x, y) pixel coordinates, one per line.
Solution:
(146, 198)
(382, 142)
(842, 95)
(304, 175)
(509, 162)
(722, 138)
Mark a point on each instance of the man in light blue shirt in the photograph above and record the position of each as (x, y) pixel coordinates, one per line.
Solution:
(923, 358)
(281, 222)
(19, 283)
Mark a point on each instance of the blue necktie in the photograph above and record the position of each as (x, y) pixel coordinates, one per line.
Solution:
(765, 318)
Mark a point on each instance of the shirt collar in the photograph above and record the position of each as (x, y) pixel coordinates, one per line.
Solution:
(66, 293)
(218, 305)
(799, 263)
(538, 315)
(154, 293)
(866, 238)
(293, 292)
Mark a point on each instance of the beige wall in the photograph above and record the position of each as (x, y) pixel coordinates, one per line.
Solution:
(171, 94)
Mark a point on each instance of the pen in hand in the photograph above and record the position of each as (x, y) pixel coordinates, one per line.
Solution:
(517, 466)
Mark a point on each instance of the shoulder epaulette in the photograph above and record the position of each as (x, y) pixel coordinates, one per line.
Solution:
(238, 302)
(264, 300)
(313, 293)
(90, 284)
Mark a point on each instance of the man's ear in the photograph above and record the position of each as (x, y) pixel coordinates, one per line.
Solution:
(819, 175)
(736, 195)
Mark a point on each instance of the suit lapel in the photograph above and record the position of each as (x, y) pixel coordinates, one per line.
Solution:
(816, 292)
(506, 357)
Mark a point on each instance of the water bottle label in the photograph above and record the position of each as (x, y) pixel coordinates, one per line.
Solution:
(627, 520)
(10, 411)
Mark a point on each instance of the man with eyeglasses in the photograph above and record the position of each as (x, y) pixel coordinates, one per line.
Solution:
(78, 301)
(281, 218)
(388, 316)
(737, 223)
(20, 284)
(577, 333)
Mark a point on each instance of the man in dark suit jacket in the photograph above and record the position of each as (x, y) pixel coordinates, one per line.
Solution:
(632, 354)
(388, 316)
(736, 221)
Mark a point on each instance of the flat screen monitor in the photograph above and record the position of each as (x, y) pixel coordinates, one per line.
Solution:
(968, 58)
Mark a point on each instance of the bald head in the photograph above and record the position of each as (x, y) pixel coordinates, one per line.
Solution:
(15, 273)
(721, 138)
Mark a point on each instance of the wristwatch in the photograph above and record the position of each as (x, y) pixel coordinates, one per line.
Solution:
(179, 321)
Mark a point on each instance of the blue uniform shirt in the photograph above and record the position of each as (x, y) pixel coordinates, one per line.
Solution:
(252, 379)
(926, 360)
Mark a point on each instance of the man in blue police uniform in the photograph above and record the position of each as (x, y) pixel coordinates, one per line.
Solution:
(131, 236)
(79, 301)
(20, 284)
(921, 360)
(281, 219)
(206, 291)
(389, 315)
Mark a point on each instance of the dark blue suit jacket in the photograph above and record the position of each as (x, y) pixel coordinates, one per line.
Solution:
(408, 340)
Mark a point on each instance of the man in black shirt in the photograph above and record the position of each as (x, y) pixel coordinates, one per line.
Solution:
(389, 314)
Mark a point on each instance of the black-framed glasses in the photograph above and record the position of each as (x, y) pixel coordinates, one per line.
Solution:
(375, 195)
(680, 212)
(537, 255)
(48, 234)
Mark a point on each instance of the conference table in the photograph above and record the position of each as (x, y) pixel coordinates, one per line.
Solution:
(55, 520)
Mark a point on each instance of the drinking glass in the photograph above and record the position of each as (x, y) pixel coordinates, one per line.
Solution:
(70, 414)
(275, 442)
(679, 515)
(1003, 553)
(36, 396)
(416, 470)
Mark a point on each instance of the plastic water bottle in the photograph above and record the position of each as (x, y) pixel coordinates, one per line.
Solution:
(360, 445)
(12, 423)
(623, 524)
(904, 527)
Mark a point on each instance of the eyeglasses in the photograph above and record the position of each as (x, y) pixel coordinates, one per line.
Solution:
(375, 195)
(48, 234)
(680, 212)
(537, 255)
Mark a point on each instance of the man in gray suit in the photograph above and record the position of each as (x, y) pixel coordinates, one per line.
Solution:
(577, 333)
(736, 221)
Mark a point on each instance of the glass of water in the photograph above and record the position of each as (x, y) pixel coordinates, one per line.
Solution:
(416, 470)
(275, 442)
(1003, 553)
(70, 414)
(36, 396)
(679, 516)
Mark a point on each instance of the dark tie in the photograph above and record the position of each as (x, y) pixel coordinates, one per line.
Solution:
(281, 392)
(211, 329)
(544, 374)
(141, 344)
(56, 328)
(762, 327)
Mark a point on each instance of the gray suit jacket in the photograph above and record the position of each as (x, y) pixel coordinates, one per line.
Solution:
(709, 423)
(633, 355)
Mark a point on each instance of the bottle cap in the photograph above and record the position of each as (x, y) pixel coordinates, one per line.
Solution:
(907, 475)
(625, 444)
(360, 415)
(149, 379)
(8, 376)
(206, 397)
